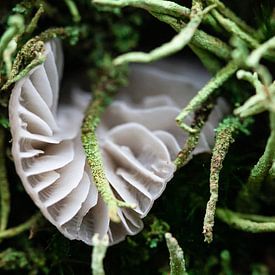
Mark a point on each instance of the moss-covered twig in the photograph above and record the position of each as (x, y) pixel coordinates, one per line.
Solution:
(205, 93)
(163, 7)
(199, 120)
(234, 29)
(73, 10)
(177, 262)
(175, 45)
(263, 100)
(15, 27)
(261, 170)
(32, 54)
(4, 185)
(33, 24)
(236, 221)
(255, 56)
(105, 89)
(14, 231)
(99, 251)
(172, 14)
(232, 16)
(224, 137)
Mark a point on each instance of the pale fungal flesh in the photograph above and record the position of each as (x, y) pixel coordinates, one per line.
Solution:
(138, 136)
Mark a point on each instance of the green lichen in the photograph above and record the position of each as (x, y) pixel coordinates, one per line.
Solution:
(177, 262)
(109, 83)
(224, 137)
(99, 251)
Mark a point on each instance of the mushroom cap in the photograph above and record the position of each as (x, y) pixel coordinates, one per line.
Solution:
(138, 136)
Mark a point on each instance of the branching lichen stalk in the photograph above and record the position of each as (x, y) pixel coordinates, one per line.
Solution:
(177, 262)
(233, 28)
(172, 14)
(175, 45)
(15, 27)
(163, 7)
(103, 93)
(236, 221)
(73, 10)
(32, 54)
(14, 231)
(210, 62)
(205, 92)
(199, 120)
(99, 251)
(4, 184)
(261, 169)
(33, 24)
(255, 56)
(223, 139)
(232, 16)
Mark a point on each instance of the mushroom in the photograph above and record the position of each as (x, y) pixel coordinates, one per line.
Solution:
(138, 136)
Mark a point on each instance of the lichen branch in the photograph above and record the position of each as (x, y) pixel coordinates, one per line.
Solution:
(214, 83)
(234, 29)
(224, 137)
(177, 262)
(237, 221)
(99, 251)
(102, 97)
(255, 56)
(261, 170)
(4, 185)
(173, 14)
(73, 10)
(32, 54)
(263, 100)
(14, 231)
(15, 27)
(199, 120)
(163, 7)
(232, 16)
(175, 45)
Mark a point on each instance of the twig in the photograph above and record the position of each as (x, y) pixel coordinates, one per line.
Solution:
(163, 7)
(73, 10)
(235, 220)
(205, 92)
(224, 137)
(4, 185)
(16, 26)
(199, 120)
(33, 24)
(175, 45)
(172, 14)
(177, 262)
(232, 16)
(12, 232)
(261, 170)
(99, 251)
(233, 28)
(103, 93)
(255, 56)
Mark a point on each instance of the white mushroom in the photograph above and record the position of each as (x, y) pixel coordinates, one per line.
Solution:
(138, 136)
